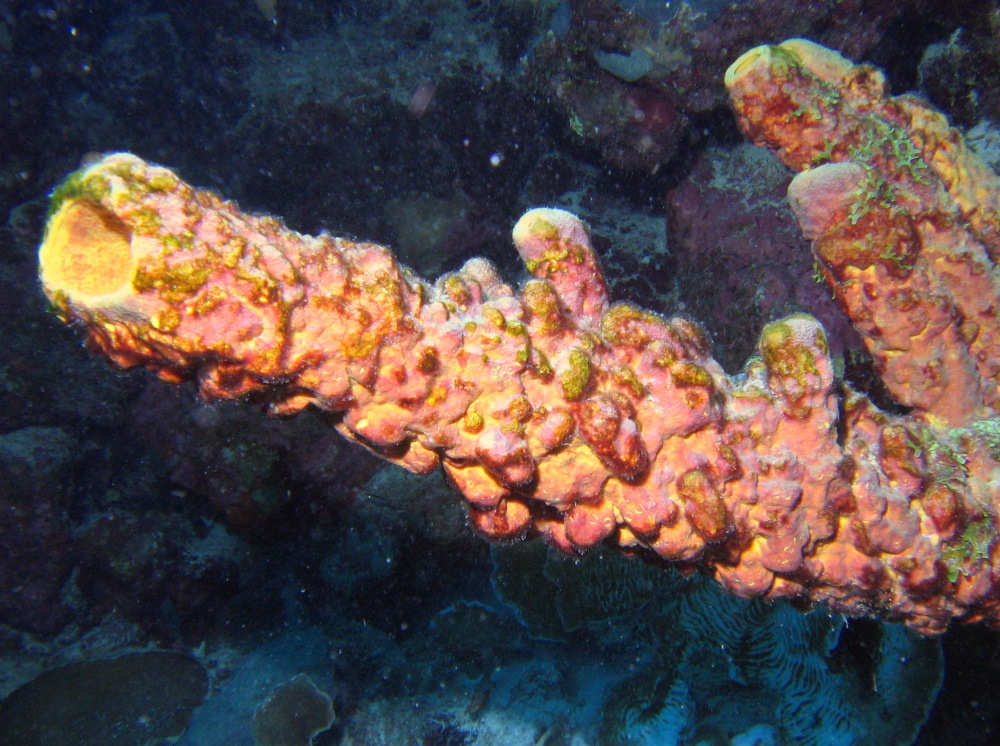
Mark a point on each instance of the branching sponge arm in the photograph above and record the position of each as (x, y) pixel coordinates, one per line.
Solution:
(551, 410)
(893, 200)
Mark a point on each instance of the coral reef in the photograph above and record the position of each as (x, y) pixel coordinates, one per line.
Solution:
(238, 713)
(960, 74)
(132, 699)
(293, 714)
(634, 83)
(712, 663)
(740, 256)
(35, 555)
(721, 663)
(133, 563)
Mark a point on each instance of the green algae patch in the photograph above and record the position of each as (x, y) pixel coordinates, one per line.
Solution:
(78, 185)
(788, 357)
(574, 379)
(970, 550)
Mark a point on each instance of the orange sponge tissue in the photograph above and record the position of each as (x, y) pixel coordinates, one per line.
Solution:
(555, 411)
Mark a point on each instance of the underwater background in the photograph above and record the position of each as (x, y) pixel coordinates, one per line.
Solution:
(177, 572)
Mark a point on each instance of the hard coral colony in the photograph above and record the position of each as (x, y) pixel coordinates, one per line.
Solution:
(555, 411)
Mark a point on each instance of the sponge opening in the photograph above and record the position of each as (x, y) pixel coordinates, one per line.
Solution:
(87, 251)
